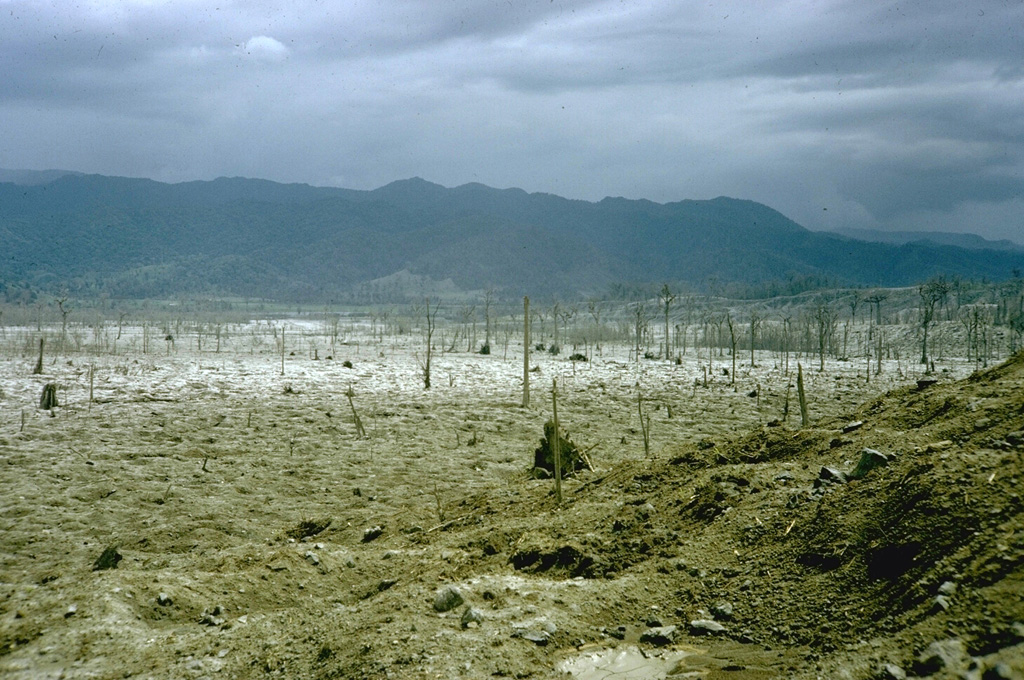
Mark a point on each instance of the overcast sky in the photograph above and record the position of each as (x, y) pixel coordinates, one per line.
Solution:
(902, 115)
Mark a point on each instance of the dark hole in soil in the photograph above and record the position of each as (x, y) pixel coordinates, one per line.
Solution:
(892, 561)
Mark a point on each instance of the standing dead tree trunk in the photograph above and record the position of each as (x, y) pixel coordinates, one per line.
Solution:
(804, 420)
(931, 293)
(732, 345)
(755, 322)
(488, 303)
(639, 326)
(825, 316)
(431, 316)
(360, 431)
(645, 422)
(667, 298)
(555, 443)
(526, 352)
(38, 370)
(876, 300)
(594, 307)
(63, 320)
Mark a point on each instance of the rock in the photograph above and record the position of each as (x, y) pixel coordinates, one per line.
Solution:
(832, 475)
(534, 635)
(213, 616)
(312, 558)
(659, 636)
(722, 611)
(1015, 438)
(164, 600)
(107, 560)
(891, 671)
(948, 589)
(950, 655)
(706, 627)
(447, 599)
(940, 603)
(619, 632)
(71, 611)
(855, 425)
(982, 423)
(372, 533)
(471, 616)
(869, 460)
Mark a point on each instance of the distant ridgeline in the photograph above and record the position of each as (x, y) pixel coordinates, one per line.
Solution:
(136, 238)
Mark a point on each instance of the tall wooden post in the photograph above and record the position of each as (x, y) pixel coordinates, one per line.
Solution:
(804, 420)
(526, 352)
(555, 444)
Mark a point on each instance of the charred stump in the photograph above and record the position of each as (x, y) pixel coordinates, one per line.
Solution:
(48, 400)
(544, 456)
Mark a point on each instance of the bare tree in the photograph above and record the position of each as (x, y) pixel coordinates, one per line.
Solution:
(732, 346)
(974, 320)
(467, 314)
(825, 317)
(431, 316)
(854, 303)
(594, 307)
(526, 352)
(640, 321)
(567, 314)
(1016, 325)
(64, 312)
(488, 303)
(755, 323)
(555, 311)
(667, 297)
(932, 293)
(876, 299)
(786, 323)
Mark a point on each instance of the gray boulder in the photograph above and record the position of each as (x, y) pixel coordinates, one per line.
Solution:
(447, 599)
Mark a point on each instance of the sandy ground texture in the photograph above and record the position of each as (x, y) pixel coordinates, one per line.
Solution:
(206, 516)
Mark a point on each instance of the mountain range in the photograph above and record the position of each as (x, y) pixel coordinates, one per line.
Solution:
(128, 237)
(969, 241)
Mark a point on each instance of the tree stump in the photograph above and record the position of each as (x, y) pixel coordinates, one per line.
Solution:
(48, 400)
(38, 370)
(544, 456)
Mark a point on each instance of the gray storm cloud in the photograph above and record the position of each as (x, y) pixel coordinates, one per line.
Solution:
(836, 113)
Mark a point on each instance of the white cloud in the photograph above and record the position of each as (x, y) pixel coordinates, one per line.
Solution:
(265, 48)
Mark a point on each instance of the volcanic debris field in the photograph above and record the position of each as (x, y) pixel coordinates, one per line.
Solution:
(219, 514)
